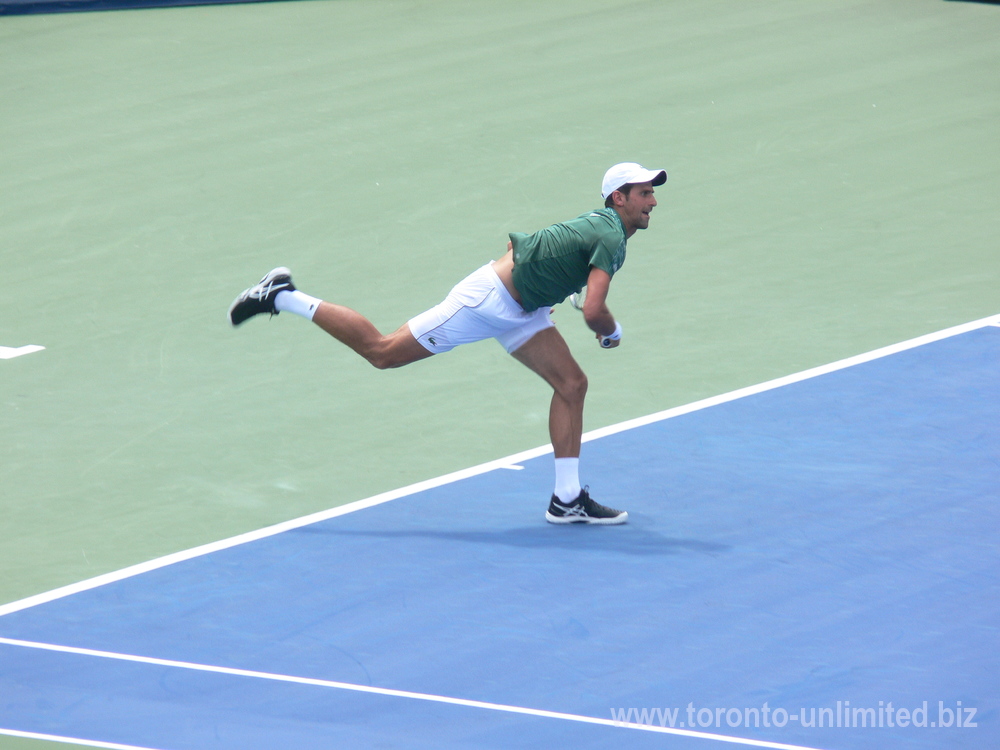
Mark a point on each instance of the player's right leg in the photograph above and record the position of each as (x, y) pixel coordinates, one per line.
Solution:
(356, 331)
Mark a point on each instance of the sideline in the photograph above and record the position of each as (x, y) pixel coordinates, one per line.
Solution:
(313, 682)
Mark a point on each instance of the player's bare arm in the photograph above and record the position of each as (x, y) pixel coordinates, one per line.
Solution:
(595, 309)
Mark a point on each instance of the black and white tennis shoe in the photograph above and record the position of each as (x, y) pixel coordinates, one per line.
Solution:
(260, 298)
(583, 510)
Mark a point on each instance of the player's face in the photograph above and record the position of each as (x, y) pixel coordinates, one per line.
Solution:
(638, 203)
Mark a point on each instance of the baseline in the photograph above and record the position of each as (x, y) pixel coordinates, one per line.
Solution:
(509, 462)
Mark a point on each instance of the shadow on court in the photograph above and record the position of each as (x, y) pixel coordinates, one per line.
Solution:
(632, 540)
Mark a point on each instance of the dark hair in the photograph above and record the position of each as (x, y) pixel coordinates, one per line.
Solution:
(624, 190)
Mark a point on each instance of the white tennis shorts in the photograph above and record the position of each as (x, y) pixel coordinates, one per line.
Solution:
(478, 307)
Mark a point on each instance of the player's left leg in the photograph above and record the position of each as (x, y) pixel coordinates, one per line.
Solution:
(548, 355)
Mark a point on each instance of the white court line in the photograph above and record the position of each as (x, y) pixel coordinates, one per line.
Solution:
(252, 536)
(502, 463)
(313, 682)
(69, 740)
(9, 352)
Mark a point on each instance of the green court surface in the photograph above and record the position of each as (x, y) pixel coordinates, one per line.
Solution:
(833, 170)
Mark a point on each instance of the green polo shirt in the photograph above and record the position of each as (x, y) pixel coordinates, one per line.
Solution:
(553, 263)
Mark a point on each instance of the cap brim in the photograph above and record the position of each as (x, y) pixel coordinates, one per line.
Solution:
(654, 176)
(657, 177)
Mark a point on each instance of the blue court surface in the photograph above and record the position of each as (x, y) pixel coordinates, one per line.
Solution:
(810, 563)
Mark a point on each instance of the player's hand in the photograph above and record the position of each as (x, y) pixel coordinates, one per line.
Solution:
(607, 342)
(611, 340)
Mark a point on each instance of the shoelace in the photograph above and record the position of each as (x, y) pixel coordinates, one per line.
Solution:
(263, 292)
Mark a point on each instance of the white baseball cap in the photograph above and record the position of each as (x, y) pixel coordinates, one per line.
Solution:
(628, 173)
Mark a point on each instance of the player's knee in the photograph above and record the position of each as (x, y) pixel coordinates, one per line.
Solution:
(378, 355)
(382, 360)
(574, 387)
(387, 354)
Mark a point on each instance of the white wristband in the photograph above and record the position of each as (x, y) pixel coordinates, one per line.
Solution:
(616, 336)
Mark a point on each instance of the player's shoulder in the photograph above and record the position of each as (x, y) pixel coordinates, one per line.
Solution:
(603, 220)
(600, 216)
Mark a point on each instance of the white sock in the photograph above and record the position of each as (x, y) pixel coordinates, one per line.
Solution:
(297, 302)
(567, 479)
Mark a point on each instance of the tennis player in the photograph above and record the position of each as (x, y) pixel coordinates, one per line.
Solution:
(510, 300)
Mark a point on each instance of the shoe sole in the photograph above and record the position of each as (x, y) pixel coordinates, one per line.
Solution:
(566, 520)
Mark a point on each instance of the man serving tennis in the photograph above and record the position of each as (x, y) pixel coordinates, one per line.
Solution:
(510, 300)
